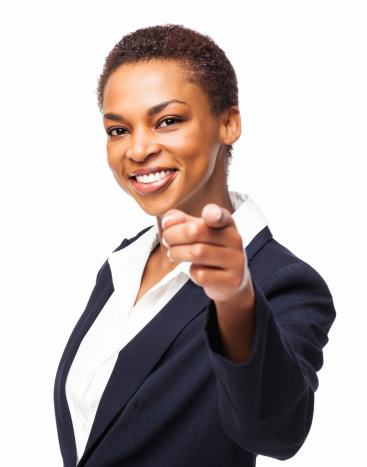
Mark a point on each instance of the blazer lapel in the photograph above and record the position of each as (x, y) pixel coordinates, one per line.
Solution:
(263, 237)
(141, 354)
(100, 295)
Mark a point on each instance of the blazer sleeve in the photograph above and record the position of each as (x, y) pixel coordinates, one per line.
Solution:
(266, 404)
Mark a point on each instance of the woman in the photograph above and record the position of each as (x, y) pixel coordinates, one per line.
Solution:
(202, 337)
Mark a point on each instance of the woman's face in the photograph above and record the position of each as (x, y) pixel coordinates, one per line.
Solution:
(164, 147)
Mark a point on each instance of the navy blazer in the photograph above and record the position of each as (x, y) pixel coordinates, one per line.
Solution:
(173, 400)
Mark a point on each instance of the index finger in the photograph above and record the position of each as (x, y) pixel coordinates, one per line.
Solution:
(216, 217)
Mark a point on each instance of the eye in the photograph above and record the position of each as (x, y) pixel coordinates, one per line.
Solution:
(169, 121)
(119, 131)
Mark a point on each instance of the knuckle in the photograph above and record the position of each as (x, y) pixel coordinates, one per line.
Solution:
(191, 230)
(238, 281)
(197, 251)
(200, 275)
(241, 262)
(236, 278)
(237, 241)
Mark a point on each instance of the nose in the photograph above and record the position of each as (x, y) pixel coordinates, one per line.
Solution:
(143, 144)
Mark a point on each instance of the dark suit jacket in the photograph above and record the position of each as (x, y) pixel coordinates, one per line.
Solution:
(173, 400)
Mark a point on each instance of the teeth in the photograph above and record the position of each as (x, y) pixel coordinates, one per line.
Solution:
(153, 177)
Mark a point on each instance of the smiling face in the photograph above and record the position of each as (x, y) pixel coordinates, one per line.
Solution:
(164, 147)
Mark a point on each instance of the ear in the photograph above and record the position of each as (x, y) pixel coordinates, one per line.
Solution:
(231, 125)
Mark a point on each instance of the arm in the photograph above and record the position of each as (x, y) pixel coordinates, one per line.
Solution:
(214, 247)
(266, 404)
(266, 398)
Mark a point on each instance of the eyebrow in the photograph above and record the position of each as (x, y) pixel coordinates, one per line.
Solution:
(159, 107)
(152, 111)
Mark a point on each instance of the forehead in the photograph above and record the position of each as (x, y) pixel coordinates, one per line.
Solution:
(148, 83)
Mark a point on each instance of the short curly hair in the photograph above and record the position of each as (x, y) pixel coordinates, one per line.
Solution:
(206, 63)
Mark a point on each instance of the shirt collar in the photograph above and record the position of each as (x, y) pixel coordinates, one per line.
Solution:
(248, 218)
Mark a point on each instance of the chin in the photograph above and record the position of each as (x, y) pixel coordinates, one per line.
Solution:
(154, 209)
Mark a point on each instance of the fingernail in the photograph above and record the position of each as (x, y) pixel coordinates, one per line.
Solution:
(164, 243)
(169, 255)
(219, 213)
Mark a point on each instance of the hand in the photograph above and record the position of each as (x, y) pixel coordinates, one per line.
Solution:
(214, 247)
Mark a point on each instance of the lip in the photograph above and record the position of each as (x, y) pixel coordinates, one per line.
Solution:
(148, 188)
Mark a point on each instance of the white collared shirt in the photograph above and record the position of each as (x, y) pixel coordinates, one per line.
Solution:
(120, 321)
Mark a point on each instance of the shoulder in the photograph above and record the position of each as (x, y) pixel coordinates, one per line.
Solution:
(272, 263)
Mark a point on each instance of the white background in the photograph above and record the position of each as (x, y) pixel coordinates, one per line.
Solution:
(302, 75)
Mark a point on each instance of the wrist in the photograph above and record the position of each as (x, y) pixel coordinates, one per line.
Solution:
(237, 323)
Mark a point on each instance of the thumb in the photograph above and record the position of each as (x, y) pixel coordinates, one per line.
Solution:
(216, 217)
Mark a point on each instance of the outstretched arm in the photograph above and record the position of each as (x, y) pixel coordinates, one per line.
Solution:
(265, 350)
(214, 247)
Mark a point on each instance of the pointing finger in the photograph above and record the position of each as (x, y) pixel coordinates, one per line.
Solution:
(216, 217)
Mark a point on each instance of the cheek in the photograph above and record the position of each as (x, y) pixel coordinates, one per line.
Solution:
(114, 161)
(114, 158)
(111, 162)
(111, 156)
(194, 144)
(119, 182)
(200, 151)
